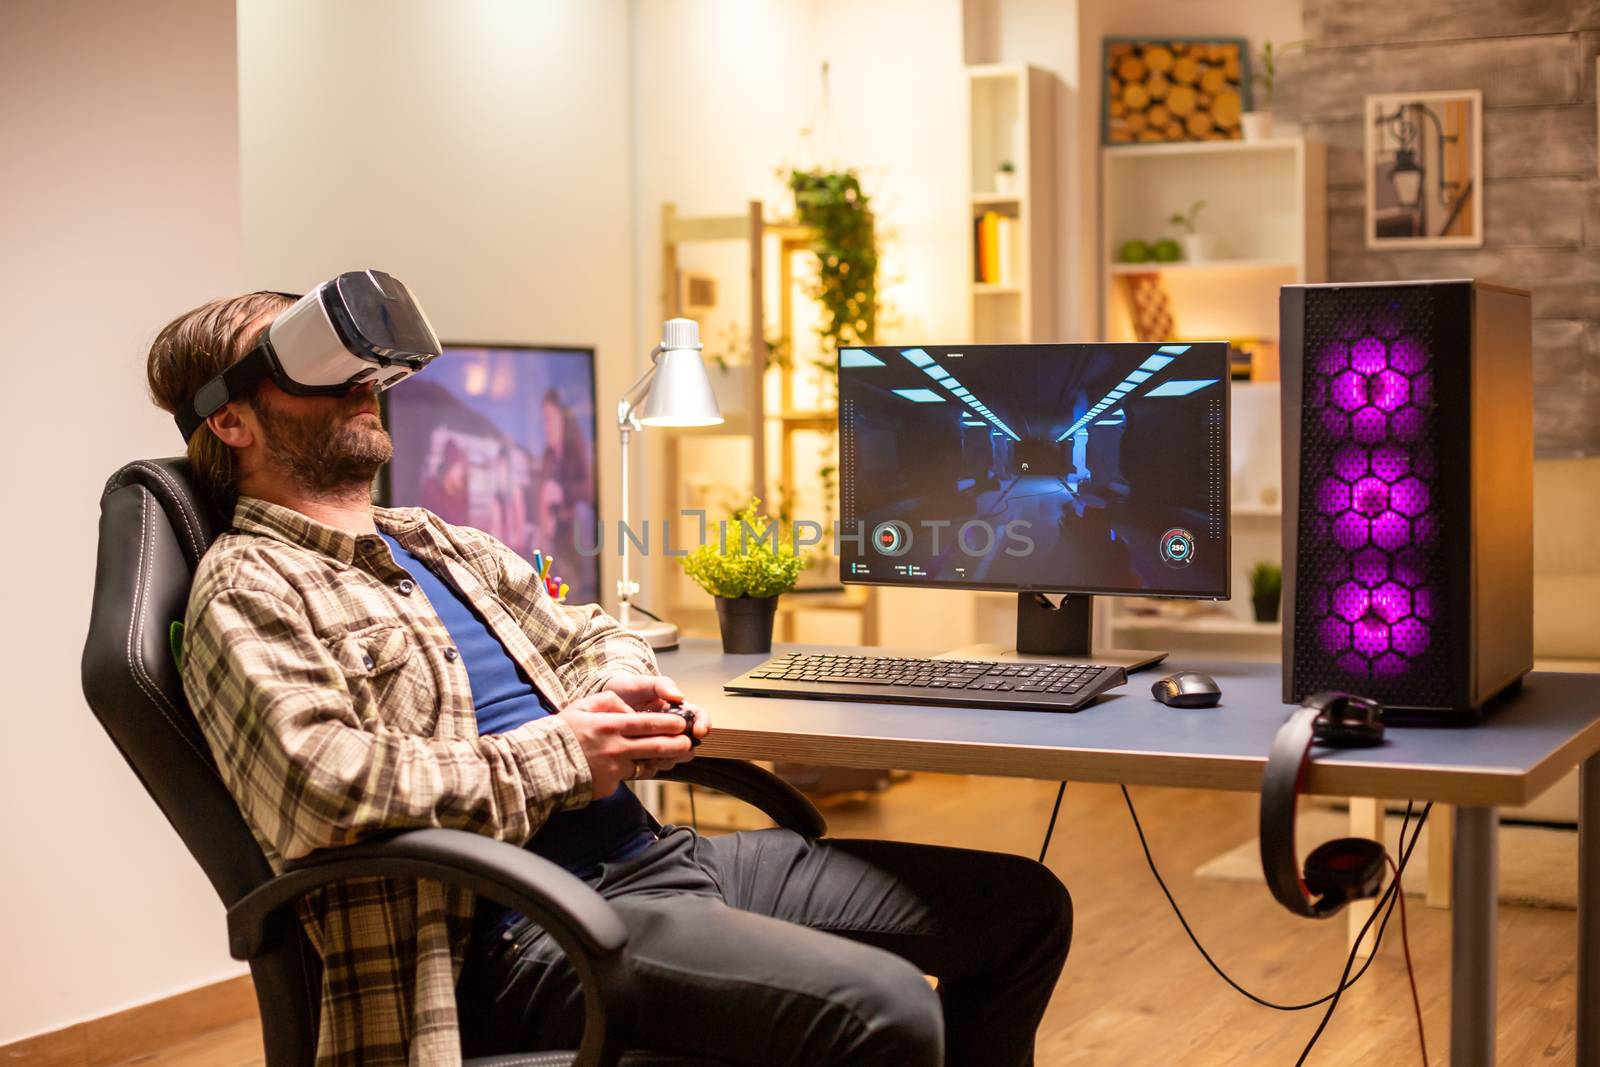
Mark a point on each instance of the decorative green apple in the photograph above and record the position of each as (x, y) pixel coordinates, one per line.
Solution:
(1167, 251)
(1135, 251)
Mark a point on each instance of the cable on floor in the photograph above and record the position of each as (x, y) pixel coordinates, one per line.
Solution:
(1048, 830)
(1384, 905)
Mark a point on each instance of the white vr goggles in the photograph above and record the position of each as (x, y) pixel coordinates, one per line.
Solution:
(361, 328)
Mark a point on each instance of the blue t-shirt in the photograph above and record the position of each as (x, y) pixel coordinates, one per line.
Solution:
(608, 829)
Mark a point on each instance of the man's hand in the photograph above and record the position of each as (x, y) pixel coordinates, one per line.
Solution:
(652, 692)
(622, 745)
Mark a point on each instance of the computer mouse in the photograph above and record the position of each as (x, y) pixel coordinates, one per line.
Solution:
(1187, 689)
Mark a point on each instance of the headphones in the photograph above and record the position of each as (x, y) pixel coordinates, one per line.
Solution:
(1346, 869)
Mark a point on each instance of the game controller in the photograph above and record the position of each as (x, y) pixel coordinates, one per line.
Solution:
(687, 715)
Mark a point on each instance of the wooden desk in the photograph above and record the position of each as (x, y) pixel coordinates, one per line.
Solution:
(1533, 737)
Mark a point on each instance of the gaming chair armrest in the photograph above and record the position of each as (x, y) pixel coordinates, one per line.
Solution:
(579, 919)
(504, 873)
(756, 786)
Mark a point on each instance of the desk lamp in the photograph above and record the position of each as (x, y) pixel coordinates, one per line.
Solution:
(673, 392)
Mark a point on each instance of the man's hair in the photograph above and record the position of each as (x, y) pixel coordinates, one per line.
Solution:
(191, 350)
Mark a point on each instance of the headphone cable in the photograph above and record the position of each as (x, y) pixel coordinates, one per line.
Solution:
(1411, 974)
(1048, 830)
(1387, 898)
(1385, 904)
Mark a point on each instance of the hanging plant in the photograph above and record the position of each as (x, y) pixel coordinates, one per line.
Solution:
(832, 204)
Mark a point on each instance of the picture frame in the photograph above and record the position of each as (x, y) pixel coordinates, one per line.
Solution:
(1173, 89)
(1424, 169)
(503, 438)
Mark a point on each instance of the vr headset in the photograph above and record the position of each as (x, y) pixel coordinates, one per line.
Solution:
(361, 328)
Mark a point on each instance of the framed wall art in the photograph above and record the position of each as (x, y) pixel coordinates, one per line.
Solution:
(1424, 169)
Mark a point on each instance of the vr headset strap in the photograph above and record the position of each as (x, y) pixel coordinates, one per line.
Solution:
(1280, 789)
(235, 382)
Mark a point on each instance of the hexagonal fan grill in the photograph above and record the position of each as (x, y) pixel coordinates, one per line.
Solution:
(1370, 567)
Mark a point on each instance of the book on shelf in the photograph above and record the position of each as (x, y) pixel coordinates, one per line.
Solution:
(995, 249)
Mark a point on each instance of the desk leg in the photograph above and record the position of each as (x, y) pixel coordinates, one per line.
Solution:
(1475, 884)
(1588, 920)
(1366, 820)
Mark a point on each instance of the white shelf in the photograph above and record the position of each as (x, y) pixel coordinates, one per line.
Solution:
(1222, 626)
(1255, 511)
(1215, 265)
(1264, 206)
(1010, 119)
(1204, 148)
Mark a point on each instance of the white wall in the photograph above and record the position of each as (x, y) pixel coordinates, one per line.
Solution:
(479, 151)
(119, 208)
(725, 88)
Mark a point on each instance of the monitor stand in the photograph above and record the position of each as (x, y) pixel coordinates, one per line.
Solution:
(1059, 632)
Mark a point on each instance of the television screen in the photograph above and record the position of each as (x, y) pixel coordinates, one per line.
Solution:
(502, 438)
(1082, 468)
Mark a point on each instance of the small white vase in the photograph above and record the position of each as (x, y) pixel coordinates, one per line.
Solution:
(1257, 125)
(1005, 182)
(1199, 247)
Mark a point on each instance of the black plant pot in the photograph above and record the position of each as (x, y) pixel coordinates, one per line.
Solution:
(746, 622)
(1266, 607)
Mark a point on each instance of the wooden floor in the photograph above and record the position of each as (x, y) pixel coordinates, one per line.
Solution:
(1136, 992)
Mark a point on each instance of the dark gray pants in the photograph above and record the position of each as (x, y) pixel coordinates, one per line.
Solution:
(766, 949)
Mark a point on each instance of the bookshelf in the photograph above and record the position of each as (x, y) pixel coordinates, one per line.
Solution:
(779, 418)
(1265, 209)
(1011, 120)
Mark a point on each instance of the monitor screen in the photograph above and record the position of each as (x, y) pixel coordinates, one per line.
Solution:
(1082, 468)
(502, 438)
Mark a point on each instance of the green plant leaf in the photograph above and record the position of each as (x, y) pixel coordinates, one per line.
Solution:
(748, 556)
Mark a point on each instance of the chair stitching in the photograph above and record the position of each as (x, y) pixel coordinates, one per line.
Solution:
(136, 665)
(177, 497)
(183, 506)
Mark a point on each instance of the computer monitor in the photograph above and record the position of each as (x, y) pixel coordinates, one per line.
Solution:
(502, 437)
(1053, 468)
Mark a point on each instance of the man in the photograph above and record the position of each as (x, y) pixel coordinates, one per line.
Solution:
(358, 670)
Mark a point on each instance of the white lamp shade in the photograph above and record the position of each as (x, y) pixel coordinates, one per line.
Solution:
(680, 393)
(1407, 186)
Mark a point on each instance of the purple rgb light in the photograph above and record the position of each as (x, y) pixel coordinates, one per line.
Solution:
(1389, 390)
(1389, 463)
(1370, 586)
(1370, 567)
(1333, 497)
(1368, 426)
(1370, 496)
(1368, 355)
(1335, 358)
(1350, 463)
(1390, 531)
(1350, 391)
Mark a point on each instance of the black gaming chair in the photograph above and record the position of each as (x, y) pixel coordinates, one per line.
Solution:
(154, 528)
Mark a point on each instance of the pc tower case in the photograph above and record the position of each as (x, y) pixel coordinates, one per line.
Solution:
(1408, 495)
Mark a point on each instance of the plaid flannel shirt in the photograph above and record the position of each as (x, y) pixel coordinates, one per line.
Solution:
(335, 704)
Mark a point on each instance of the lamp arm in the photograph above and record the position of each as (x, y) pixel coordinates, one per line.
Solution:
(637, 392)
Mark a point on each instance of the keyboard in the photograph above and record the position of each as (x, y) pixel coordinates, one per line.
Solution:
(1026, 685)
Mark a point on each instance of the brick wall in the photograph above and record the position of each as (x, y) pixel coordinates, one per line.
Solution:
(1534, 61)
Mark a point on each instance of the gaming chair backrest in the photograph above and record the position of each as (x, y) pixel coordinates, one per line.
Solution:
(154, 527)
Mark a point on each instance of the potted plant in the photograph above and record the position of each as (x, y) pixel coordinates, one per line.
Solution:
(1197, 247)
(745, 568)
(1266, 589)
(1257, 123)
(1005, 178)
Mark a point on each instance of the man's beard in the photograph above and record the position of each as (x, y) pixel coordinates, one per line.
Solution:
(327, 452)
